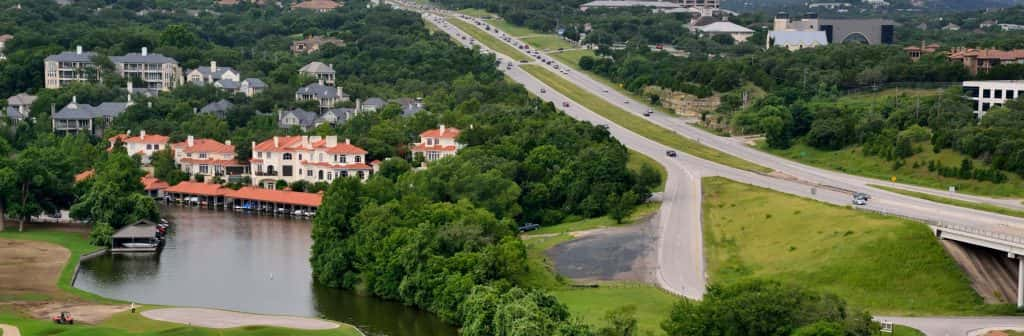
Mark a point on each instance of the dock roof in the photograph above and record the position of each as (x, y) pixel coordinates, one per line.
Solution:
(142, 228)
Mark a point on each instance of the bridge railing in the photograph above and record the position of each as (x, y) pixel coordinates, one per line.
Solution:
(1017, 239)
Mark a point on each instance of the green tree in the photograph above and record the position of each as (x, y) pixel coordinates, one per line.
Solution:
(165, 169)
(775, 132)
(115, 196)
(619, 206)
(37, 180)
(621, 322)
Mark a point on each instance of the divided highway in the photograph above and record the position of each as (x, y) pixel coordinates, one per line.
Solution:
(681, 268)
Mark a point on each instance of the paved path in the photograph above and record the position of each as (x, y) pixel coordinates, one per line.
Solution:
(9, 330)
(957, 326)
(222, 319)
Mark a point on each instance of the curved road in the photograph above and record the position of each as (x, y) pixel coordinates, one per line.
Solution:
(680, 246)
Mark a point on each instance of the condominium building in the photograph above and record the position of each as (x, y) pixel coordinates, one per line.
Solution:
(207, 157)
(306, 158)
(437, 143)
(983, 60)
(155, 70)
(68, 67)
(989, 94)
(78, 118)
(143, 145)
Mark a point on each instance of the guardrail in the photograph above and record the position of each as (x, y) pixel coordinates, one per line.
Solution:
(1016, 239)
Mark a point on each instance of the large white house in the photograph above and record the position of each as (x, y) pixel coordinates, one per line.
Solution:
(989, 94)
(205, 157)
(68, 67)
(213, 73)
(306, 158)
(437, 143)
(157, 71)
(143, 144)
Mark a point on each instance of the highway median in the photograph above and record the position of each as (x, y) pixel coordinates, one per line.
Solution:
(488, 40)
(637, 124)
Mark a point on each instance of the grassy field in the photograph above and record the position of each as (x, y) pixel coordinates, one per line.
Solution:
(956, 202)
(637, 160)
(641, 212)
(572, 58)
(591, 304)
(637, 124)
(851, 160)
(488, 40)
(127, 324)
(76, 243)
(547, 42)
(883, 264)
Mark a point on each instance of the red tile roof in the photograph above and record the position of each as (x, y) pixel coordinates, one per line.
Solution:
(211, 162)
(198, 188)
(423, 148)
(1006, 55)
(84, 175)
(276, 196)
(296, 143)
(317, 4)
(449, 133)
(148, 138)
(152, 183)
(204, 146)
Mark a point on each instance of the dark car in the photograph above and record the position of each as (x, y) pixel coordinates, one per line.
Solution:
(670, 153)
(529, 227)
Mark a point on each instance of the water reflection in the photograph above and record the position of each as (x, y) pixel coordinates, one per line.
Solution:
(247, 263)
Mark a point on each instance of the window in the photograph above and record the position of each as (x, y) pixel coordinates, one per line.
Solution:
(430, 141)
(149, 146)
(259, 154)
(985, 106)
(359, 159)
(202, 155)
(999, 93)
(270, 170)
(344, 173)
(1009, 94)
(986, 93)
(286, 170)
(343, 159)
(204, 169)
(321, 157)
(309, 173)
(156, 147)
(286, 156)
(361, 174)
(320, 174)
(329, 177)
(335, 157)
(269, 156)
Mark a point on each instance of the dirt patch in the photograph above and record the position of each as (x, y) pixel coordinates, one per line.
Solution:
(213, 318)
(82, 312)
(992, 274)
(620, 253)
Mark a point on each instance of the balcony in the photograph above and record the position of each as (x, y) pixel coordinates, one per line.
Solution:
(266, 173)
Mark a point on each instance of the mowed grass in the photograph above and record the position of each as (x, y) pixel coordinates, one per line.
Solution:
(883, 264)
(488, 40)
(547, 42)
(956, 202)
(591, 304)
(851, 160)
(76, 243)
(572, 58)
(637, 124)
(127, 324)
(637, 160)
(640, 212)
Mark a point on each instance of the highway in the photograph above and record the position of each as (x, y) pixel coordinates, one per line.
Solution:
(681, 268)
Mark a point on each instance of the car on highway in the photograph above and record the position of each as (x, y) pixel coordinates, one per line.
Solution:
(860, 201)
(565, 104)
(604, 90)
(670, 153)
(543, 90)
(861, 195)
(529, 227)
(647, 114)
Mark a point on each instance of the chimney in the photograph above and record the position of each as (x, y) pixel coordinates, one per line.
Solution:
(142, 134)
(347, 141)
(145, 51)
(227, 142)
(78, 50)
(305, 139)
(277, 141)
(321, 81)
(442, 129)
(74, 100)
(253, 146)
(149, 104)
(195, 110)
(332, 140)
(213, 66)
(331, 66)
(128, 133)
(359, 105)
(191, 141)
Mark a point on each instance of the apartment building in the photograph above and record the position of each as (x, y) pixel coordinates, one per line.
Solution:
(983, 60)
(207, 157)
(157, 71)
(326, 96)
(306, 158)
(143, 145)
(79, 118)
(437, 143)
(989, 94)
(68, 67)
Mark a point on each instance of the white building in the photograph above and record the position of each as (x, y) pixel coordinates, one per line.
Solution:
(159, 72)
(989, 94)
(143, 145)
(437, 143)
(213, 73)
(796, 40)
(206, 157)
(306, 158)
(62, 69)
(737, 32)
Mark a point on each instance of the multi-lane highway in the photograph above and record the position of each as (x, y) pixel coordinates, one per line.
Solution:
(680, 247)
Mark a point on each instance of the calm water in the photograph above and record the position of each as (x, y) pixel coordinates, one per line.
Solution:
(248, 263)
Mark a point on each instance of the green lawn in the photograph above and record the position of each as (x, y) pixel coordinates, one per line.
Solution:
(883, 264)
(547, 42)
(642, 211)
(136, 325)
(637, 160)
(637, 124)
(488, 40)
(851, 160)
(956, 202)
(591, 304)
(572, 58)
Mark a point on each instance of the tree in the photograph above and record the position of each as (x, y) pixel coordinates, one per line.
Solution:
(587, 63)
(38, 181)
(621, 322)
(178, 36)
(620, 206)
(115, 196)
(165, 169)
(775, 132)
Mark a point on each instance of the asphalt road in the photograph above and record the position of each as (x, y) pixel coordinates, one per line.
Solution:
(680, 247)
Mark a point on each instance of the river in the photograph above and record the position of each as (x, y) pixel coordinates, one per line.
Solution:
(248, 263)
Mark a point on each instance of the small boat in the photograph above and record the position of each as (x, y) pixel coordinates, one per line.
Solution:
(140, 245)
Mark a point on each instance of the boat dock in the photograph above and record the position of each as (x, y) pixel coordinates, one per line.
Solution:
(138, 237)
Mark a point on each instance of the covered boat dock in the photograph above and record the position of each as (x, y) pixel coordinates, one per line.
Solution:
(248, 198)
(142, 232)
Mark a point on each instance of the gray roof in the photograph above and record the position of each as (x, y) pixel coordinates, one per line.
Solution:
(71, 56)
(217, 107)
(316, 67)
(216, 75)
(141, 229)
(409, 106)
(75, 111)
(149, 58)
(627, 3)
(21, 99)
(320, 91)
(374, 101)
(798, 37)
(227, 84)
(255, 83)
(306, 118)
(341, 114)
(12, 112)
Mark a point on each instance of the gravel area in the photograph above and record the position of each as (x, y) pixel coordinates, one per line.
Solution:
(222, 319)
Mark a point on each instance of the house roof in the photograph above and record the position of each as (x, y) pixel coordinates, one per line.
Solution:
(298, 142)
(439, 148)
(320, 91)
(217, 107)
(320, 40)
(306, 118)
(409, 106)
(317, 68)
(374, 101)
(84, 175)
(75, 111)
(782, 38)
(340, 114)
(277, 196)
(6, 37)
(198, 188)
(71, 56)
(13, 113)
(724, 27)
(141, 229)
(204, 146)
(1005, 55)
(226, 84)
(148, 58)
(216, 75)
(212, 162)
(21, 99)
(147, 139)
(317, 4)
(255, 83)
(448, 133)
(152, 183)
